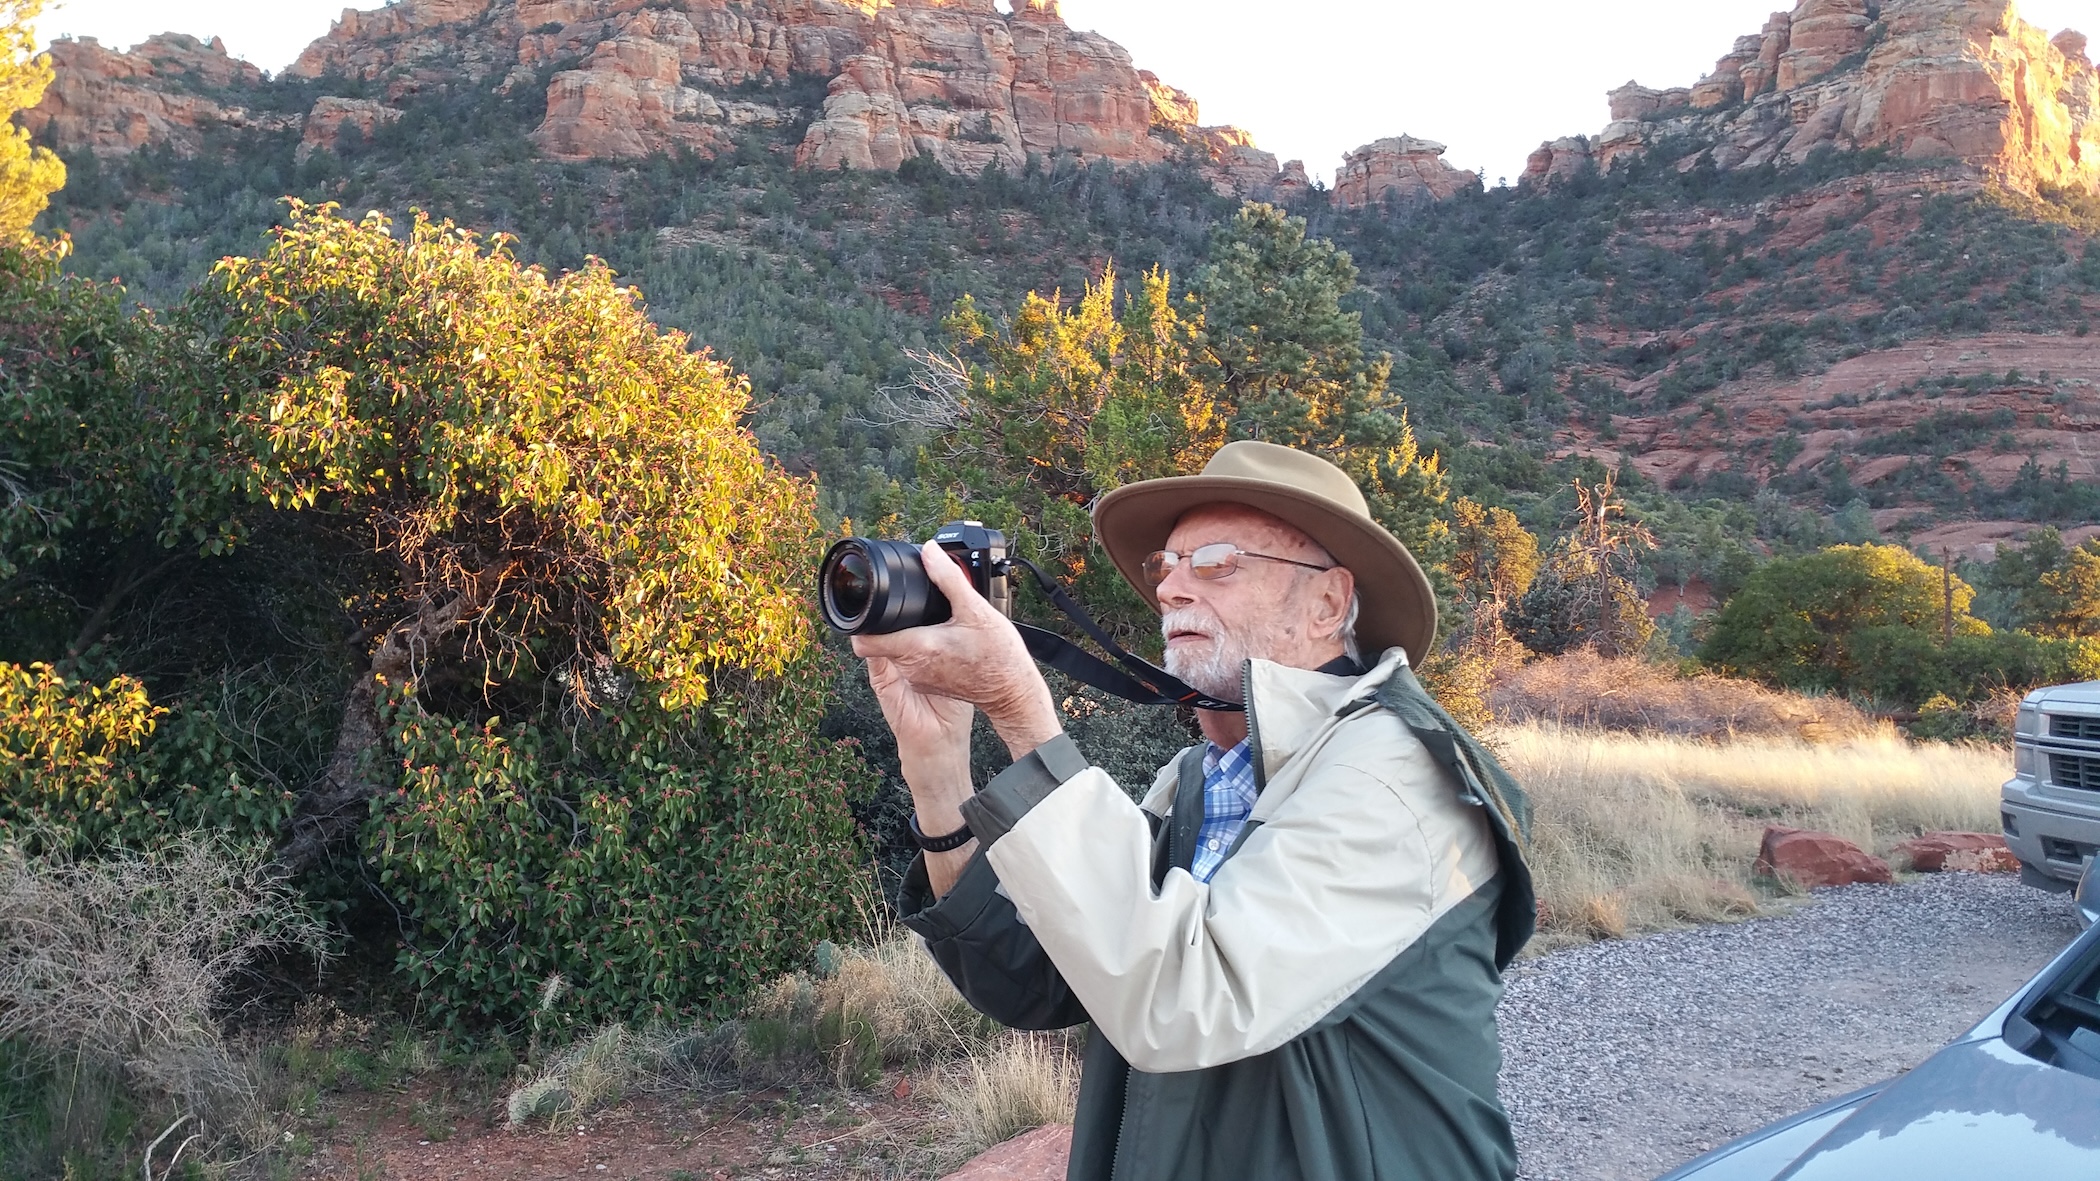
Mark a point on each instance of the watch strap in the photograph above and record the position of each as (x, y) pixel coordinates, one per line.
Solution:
(940, 844)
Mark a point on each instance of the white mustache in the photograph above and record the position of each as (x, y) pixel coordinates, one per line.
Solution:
(1193, 619)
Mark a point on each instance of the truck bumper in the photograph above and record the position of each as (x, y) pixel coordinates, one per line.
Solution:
(2051, 842)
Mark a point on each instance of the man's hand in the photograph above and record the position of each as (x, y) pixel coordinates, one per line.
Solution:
(927, 677)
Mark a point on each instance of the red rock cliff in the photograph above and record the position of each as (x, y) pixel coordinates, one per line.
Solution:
(114, 103)
(1399, 167)
(955, 80)
(1967, 80)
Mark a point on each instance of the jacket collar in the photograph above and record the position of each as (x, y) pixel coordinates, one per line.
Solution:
(1288, 707)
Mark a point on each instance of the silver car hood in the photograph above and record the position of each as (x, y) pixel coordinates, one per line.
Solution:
(1975, 1109)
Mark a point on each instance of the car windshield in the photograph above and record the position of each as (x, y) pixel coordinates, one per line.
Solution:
(2061, 1025)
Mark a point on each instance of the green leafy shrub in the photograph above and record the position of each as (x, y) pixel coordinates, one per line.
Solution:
(661, 865)
(1795, 621)
(89, 766)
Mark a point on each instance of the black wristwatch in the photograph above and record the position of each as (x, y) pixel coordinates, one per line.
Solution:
(954, 840)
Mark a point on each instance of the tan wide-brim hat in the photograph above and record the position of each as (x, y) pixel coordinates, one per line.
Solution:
(1399, 608)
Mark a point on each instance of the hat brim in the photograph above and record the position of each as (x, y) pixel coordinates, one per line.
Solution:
(1398, 604)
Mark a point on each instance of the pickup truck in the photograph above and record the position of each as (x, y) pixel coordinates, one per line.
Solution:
(2051, 806)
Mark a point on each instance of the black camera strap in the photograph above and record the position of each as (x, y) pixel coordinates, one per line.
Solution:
(1144, 682)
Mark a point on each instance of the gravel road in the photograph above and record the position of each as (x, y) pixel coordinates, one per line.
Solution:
(1625, 1059)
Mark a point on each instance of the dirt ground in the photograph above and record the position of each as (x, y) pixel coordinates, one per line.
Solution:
(420, 1132)
(1621, 1059)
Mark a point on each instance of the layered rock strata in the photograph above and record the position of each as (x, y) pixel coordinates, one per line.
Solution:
(1401, 168)
(1966, 80)
(157, 95)
(956, 81)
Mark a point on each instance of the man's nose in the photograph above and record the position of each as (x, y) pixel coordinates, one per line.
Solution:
(1177, 589)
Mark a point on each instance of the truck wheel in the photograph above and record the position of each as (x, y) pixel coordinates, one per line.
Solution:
(2030, 876)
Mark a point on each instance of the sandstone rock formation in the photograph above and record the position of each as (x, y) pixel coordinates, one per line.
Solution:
(333, 118)
(1557, 161)
(1964, 852)
(1810, 859)
(1041, 1155)
(957, 81)
(115, 103)
(1400, 167)
(1966, 80)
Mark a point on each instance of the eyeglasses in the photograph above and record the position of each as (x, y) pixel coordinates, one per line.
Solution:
(1209, 562)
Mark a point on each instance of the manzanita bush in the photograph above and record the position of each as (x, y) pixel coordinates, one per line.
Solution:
(504, 539)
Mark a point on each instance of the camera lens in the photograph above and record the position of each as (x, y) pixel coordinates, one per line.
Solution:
(850, 585)
(869, 587)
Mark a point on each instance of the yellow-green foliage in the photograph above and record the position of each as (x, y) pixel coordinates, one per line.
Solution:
(28, 174)
(1068, 403)
(1037, 417)
(534, 442)
(87, 766)
(582, 523)
(67, 744)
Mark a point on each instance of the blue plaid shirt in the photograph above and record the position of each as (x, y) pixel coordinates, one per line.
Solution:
(1228, 795)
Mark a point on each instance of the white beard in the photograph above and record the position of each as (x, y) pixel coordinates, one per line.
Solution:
(1215, 668)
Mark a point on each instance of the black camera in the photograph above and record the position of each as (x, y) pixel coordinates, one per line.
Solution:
(870, 587)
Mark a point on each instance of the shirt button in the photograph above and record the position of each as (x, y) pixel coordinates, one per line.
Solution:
(1214, 844)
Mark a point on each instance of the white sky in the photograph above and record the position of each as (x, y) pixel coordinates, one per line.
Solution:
(1310, 78)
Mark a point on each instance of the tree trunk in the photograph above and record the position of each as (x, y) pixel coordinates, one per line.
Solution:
(335, 805)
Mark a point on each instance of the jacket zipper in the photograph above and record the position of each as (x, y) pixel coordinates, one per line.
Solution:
(1174, 858)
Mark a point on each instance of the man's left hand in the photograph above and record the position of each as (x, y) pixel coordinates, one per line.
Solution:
(976, 656)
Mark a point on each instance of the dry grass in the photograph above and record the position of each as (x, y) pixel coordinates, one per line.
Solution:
(119, 969)
(1635, 833)
(875, 1007)
(885, 1004)
(1020, 1082)
(1587, 691)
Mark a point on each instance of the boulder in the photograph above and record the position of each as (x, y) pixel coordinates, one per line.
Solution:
(1808, 858)
(331, 116)
(1400, 166)
(1041, 1155)
(1972, 852)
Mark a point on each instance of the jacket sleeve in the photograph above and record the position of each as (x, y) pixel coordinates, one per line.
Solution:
(1343, 877)
(982, 945)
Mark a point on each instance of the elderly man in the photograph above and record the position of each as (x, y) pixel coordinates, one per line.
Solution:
(1290, 953)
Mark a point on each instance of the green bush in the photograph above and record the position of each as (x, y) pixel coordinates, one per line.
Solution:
(1795, 621)
(660, 865)
(88, 766)
(1908, 666)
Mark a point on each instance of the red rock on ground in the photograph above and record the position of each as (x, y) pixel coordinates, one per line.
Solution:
(1818, 859)
(1040, 1155)
(1970, 852)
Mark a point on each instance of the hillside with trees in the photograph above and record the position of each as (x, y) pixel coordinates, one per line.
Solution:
(408, 502)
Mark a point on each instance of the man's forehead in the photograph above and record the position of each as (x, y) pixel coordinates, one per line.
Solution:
(1234, 522)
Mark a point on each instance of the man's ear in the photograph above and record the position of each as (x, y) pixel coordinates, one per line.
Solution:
(1336, 587)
